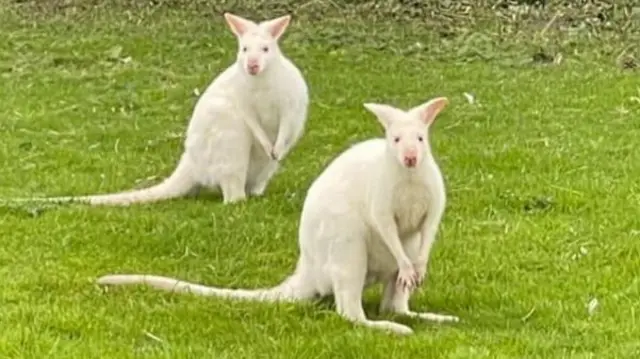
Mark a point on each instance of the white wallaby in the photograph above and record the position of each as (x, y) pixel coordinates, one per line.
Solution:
(370, 217)
(245, 122)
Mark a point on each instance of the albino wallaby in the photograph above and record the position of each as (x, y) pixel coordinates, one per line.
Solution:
(371, 216)
(245, 122)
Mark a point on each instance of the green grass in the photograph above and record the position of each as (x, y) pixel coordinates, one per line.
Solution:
(542, 181)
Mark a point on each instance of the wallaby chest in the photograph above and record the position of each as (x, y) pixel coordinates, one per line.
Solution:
(410, 206)
(266, 104)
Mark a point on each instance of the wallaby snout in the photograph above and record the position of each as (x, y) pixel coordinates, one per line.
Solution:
(410, 160)
(410, 157)
(253, 66)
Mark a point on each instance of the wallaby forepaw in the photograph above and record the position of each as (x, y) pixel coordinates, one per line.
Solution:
(268, 149)
(274, 156)
(407, 278)
(278, 152)
(421, 273)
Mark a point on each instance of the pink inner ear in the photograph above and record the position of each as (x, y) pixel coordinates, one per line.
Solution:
(433, 109)
(238, 25)
(278, 26)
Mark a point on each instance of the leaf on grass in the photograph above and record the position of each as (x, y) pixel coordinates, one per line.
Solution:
(592, 306)
(149, 335)
(114, 53)
(582, 252)
(470, 98)
(528, 315)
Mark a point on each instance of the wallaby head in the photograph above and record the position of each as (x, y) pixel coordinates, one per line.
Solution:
(258, 43)
(407, 132)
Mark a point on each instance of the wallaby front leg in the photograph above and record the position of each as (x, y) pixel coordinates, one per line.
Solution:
(259, 183)
(281, 147)
(289, 132)
(258, 133)
(428, 237)
(388, 231)
(232, 189)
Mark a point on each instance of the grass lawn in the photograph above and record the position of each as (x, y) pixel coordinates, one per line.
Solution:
(542, 180)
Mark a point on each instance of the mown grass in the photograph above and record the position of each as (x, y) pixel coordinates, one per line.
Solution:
(541, 173)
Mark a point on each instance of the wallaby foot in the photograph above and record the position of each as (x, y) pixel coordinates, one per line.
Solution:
(348, 300)
(348, 276)
(395, 299)
(434, 317)
(232, 190)
(258, 191)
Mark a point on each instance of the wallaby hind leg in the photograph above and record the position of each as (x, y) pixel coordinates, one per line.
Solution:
(232, 188)
(395, 299)
(229, 163)
(233, 181)
(348, 266)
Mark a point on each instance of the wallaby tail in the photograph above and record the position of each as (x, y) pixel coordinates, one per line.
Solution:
(178, 184)
(291, 289)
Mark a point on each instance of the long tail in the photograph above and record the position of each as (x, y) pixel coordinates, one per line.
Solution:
(178, 184)
(291, 289)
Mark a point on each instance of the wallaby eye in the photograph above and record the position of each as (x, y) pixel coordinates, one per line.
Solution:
(420, 138)
(265, 49)
(244, 49)
(396, 139)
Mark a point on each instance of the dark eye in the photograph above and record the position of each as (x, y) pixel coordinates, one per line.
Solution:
(244, 49)
(420, 138)
(265, 49)
(396, 139)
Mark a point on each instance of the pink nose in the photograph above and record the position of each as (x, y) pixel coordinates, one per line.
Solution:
(410, 160)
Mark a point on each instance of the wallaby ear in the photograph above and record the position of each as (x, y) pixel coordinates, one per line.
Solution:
(237, 24)
(277, 26)
(428, 111)
(384, 113)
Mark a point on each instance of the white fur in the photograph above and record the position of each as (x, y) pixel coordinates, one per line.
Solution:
(367, 218)
(241, 126)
